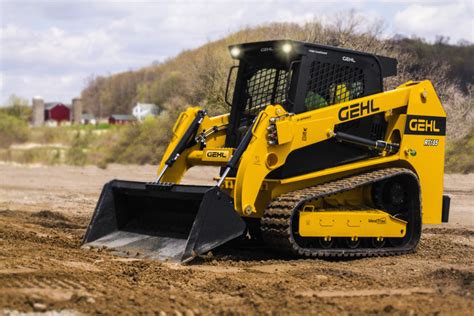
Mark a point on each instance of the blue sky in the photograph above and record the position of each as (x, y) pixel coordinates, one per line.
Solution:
(51, 47)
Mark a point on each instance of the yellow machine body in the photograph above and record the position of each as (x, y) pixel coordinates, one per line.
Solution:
(414, 115)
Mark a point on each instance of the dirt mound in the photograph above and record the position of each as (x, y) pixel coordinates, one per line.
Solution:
(51, 219)
(462, 278)
(45, 214)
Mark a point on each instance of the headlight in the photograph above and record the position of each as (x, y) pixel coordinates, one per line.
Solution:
(286, 48)
(235, 52)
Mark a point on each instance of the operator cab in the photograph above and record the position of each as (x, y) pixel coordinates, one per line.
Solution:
(300, 77)
(303, 77)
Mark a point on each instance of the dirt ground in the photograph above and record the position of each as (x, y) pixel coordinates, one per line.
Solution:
(44, 212)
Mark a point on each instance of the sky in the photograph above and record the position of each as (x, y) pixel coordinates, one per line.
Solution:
(50, 48)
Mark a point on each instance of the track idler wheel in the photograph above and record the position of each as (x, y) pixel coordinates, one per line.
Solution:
(326, 242)
(377, 242)
(352, 242)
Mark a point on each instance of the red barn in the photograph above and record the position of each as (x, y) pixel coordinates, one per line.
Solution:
(57, 111)
(121, 119)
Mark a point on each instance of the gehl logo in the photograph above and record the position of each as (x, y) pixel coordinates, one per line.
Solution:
(422, 125)
(425, 125)
(348, 59)
(356, 110)
(216, 154)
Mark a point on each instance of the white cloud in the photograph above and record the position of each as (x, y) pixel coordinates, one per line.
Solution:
(51, 87)
(50, 47)
(54, 62)
(453, 19)
(56, 46)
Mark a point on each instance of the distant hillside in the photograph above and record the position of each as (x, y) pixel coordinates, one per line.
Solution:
(459, 58)
(198, 76)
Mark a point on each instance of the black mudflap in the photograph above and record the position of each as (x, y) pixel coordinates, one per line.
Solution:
(164, 222)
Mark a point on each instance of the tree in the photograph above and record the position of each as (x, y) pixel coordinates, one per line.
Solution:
(18, 107)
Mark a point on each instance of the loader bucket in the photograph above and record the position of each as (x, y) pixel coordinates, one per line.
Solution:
(159, 221)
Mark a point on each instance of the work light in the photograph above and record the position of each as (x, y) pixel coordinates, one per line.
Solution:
(286, 48)
(235, 52)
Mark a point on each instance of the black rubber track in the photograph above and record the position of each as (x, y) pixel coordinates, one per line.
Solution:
(276, 223)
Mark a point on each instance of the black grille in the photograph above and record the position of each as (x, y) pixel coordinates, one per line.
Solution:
(266, 86)
(331, 84)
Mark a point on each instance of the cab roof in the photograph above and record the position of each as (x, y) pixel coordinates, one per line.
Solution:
(256, 50)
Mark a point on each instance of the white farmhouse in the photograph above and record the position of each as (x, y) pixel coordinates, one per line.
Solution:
(142, 110)
(87, 118)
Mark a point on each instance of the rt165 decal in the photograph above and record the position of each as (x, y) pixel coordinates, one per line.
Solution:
(431, 142)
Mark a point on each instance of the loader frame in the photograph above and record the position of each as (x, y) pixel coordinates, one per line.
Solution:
(414, 115)
(315, 160)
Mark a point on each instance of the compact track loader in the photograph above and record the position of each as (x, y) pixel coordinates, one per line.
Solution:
(317, 160)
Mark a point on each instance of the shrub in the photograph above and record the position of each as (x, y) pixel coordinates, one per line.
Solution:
(42, 155)
(77, 153)
(140, 143)
(459, 154)
(52, 135)
(21, 112)
(12, 130)
(17, 107)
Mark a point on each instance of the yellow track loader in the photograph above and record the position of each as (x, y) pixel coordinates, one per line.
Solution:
(316, 160)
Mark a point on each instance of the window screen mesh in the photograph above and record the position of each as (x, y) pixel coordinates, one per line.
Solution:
(266, 86)
(331, 84)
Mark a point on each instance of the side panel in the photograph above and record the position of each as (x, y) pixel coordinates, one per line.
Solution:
(316, 126)
(332, 153)
(307, 128)
(423, 146)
